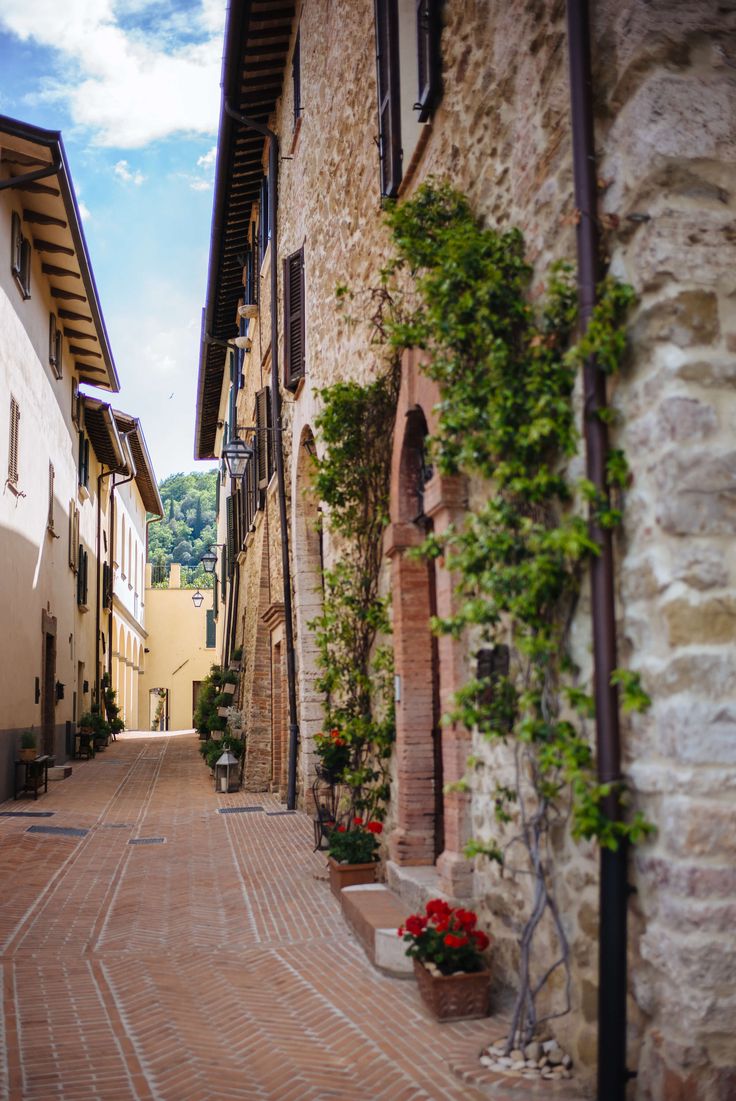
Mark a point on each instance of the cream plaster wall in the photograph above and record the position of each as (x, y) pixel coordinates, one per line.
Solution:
(178, 656)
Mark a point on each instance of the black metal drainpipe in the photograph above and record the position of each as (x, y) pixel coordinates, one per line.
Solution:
(612, 979)
(273, 166)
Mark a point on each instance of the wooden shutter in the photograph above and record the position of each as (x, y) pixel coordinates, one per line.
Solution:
(211, 630)
(389, 104)
(264, 227)
(13, 441)
(429, 63)
(82, 576)
(231, 549)
(263, 424)
(16, 247)
(223, 563)
(50, 517)
(294, 318)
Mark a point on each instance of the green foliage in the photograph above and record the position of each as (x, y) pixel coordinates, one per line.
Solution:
(28, 740)
(352, 478)
(188, 529)
(353, 846)
(632, 695)
(506, 376)
(212, 749)
(206, 718)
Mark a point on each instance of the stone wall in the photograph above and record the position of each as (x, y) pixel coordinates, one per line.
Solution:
(665, 90)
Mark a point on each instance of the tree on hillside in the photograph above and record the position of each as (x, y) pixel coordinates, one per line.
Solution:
(188, 529)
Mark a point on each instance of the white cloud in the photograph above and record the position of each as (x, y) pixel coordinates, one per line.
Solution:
(129, 86)
(200, 185)
(84, 210)
(123, 172)
(208, 159)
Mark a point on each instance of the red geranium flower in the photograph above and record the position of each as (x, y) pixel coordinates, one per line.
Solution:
(453, 941)
(374, 827)
(357, 821)
(481, 939)
(341, 829)
(466, 918)
(415, 924)
(442, 925)
(437, 907)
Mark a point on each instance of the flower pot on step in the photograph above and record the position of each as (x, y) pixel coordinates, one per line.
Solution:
(459, 997)
(349, 875)
(28, 754)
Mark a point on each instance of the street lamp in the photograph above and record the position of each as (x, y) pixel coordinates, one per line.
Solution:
(197, 599)
(236, 454)
(209, 561)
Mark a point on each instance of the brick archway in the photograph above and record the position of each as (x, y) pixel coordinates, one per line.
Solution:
(432, 827)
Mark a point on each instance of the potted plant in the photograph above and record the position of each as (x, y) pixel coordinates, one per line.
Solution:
(28, 750)
(352, 854)
(86, 733)
(446, 947)
(334, 755)
(101, 730)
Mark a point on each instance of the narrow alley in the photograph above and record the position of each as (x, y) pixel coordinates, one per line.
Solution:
(153, 947)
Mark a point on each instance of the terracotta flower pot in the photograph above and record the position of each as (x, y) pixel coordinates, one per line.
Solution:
(459, 997)
(349, 875)
(28, 754)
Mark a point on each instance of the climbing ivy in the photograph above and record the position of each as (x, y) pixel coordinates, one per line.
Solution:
(351, 478)
(506, 374)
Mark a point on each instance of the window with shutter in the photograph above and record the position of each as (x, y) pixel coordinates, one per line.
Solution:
(223, 567)
(211, 630)
(296, 78)
(13, 442)
(294, 318)
(83, 475)
(389, 105)
(231, 549)
(429, 63)
(75, 402)
(82, 577)
(20, 257)
(264, 452)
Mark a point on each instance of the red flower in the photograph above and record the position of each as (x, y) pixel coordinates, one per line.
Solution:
(374, 827)
(400, 930)
(436, 907)
(481, 939)
(415, 924)
(466, 918)
(357, 821)
(453, 941)
(442, 925)
(341, 829)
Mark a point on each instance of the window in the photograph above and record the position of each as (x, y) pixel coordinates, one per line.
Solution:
(73, 535)
(409, 81)
(75, 402)
(13, 442)
(50, 517)
(20, 257)
(296, 78)
(211, 630)
(294, 319)
(264, 451)
(82, 578)
(389, 105)
(54, 345)
(83, 470)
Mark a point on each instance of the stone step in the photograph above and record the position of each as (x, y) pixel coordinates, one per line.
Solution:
(60, 772)
(374, 913)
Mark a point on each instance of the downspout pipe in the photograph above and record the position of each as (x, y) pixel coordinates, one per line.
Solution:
(273, 166)
(612, 976)
(98, 616)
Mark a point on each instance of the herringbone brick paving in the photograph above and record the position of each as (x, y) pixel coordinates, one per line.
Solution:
(213, 966)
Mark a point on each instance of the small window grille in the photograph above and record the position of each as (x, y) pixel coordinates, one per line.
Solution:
(14, 442)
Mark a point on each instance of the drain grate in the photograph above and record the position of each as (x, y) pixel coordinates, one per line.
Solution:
(278, 813)
(238, 810)
(59, 831)
(116, 826)
(27, 813)
(147, 841)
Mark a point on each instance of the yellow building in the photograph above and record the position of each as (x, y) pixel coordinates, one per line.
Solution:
(180, 651)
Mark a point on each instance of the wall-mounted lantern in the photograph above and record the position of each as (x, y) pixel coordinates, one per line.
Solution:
(197, 599)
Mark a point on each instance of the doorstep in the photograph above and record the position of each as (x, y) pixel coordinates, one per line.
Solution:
(60, 772)
(374, 913)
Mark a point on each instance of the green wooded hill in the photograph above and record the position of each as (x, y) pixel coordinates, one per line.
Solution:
(188, 527)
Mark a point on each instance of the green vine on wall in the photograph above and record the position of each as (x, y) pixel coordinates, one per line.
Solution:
(351, 478)
(506, 374)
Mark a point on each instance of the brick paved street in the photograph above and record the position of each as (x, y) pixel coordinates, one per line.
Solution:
(214, 965)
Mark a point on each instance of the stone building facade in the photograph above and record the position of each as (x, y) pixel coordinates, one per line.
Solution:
(664, 99)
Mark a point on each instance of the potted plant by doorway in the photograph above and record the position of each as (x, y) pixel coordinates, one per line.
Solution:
(446, 946)
(352, 854)
(28, 746)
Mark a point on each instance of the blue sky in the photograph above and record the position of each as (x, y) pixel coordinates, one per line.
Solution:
(134, 87)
